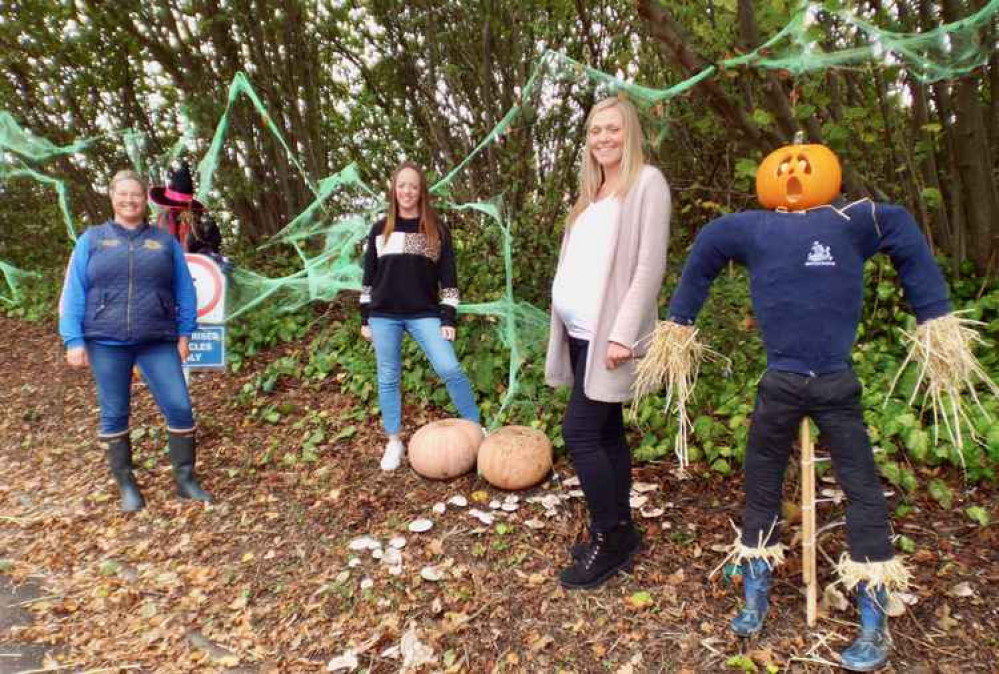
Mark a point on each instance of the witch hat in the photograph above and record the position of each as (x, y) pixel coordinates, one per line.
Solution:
(179, 194)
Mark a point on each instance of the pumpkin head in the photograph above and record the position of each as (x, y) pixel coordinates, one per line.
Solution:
(445, 449)
(515, 457)
(797, 177)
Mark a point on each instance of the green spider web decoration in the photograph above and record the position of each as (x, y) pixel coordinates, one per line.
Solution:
(947, 52)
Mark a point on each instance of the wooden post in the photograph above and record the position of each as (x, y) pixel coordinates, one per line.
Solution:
(808, 522)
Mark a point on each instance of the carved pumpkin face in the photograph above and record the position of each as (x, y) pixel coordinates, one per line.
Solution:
(797, 177)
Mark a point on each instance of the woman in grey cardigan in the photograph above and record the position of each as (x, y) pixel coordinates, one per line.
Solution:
(604, 305)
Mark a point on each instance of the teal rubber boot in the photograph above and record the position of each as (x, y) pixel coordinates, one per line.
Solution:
(756, 578)
(869, 651)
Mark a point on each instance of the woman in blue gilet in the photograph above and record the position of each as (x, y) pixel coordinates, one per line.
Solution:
(128, 300)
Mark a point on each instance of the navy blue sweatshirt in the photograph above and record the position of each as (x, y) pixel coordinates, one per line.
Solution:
(806, 276)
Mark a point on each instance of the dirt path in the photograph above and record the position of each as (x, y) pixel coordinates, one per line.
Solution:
(265, 581)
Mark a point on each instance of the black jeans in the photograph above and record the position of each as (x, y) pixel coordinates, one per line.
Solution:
(833, 402)
(594, 435)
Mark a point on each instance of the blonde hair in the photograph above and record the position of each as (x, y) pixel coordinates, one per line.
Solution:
(591, 174)
(124, 175)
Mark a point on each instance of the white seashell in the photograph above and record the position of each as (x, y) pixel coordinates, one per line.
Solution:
(494, 505)
(395, 570)
(367, 583)
(440, 508)
(364, 543)
(431, 573)
(419, 526)
(459, 501)
(512, 498)
(343, 663)
(352, 562)
(534, 524)
(571, 481)
(642, 487)
(638, 501)
(399, 542)
(377, 553)
(649, 513)
(510, 507)
(550, 501)
(392, 557)
(484, 517)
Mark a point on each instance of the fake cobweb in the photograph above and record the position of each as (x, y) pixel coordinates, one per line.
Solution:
(326, 235)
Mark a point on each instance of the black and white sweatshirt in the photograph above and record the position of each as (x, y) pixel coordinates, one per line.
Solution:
(403, 278)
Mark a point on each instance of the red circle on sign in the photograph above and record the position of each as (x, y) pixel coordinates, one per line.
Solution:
(216, 276)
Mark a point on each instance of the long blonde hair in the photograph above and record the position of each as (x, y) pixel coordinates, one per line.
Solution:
(591, 174)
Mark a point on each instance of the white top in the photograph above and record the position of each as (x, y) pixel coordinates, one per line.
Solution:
(582, 275)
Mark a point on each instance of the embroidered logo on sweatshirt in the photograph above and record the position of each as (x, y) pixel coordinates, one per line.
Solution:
(820, 256)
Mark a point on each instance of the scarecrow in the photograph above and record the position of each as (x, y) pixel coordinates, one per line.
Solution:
(805, 258)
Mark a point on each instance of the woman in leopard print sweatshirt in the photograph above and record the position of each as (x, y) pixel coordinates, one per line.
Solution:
(411, 285)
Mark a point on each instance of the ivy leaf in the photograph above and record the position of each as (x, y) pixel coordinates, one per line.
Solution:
(721, 466)
(906, 545)
(941, 493)
(743, 662)
(978, 514)
(917, 441)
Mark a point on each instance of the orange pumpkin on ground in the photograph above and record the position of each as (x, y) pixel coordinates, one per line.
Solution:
(797, 177)
(445, 449)
(515, 457)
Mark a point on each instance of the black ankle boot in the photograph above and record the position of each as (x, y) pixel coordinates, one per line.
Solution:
(182, 458)
(119, 451)
(610, 552)
(634, 542)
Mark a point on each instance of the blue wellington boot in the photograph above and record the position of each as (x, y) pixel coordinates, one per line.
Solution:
(756, 576)
(870, 649)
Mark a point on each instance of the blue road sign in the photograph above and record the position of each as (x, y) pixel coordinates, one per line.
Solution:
(207, 348)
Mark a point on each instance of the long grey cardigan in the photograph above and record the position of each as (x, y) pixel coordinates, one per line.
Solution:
(628, 311)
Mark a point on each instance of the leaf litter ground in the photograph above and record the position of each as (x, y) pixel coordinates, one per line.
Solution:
(267, 579)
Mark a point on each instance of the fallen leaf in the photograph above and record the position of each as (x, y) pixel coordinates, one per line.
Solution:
(542, 642)
(833, 599)
(944, 620)
(639, 600)
(961, 590)
(414, 652)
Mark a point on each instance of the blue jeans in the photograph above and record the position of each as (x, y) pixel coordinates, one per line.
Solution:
(386, 334)
(161, 367)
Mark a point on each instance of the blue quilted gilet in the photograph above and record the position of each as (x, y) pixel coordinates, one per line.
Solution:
(130, 285)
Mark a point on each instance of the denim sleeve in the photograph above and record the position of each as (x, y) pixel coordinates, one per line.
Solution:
(184, 293)
(73, 301)
(721, 240)
(923, 283)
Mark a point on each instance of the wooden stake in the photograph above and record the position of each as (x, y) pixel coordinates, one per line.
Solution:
(808, 574)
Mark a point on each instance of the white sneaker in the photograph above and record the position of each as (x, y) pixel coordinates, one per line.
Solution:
(394, 452)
